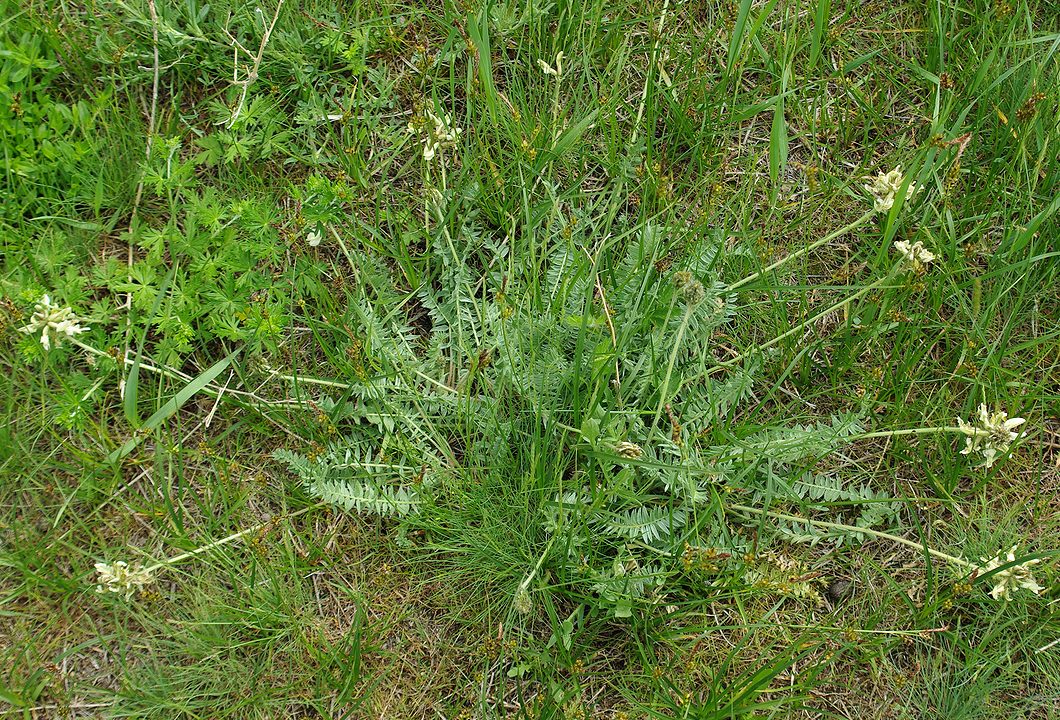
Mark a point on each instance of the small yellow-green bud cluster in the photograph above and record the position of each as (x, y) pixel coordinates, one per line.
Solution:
(690, 289)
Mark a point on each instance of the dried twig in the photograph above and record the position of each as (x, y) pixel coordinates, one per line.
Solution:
(252, 71)
(151, 123)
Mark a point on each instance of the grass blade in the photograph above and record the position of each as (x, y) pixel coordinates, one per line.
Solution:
(778, 143)
(822, 15)
(175, 403)
(480, 37)
(132, 381)
(736, 41)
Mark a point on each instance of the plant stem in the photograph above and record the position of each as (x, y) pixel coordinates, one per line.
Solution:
(537, 568)
(800, 326)
(555, 107)
(228, 539)
(670, 366)
(853, 528)
(799, 253)
(913, 431)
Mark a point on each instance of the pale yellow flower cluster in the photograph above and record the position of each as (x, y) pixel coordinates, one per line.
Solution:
(1013, 578)
(991, 436)
(122, 578)
(436, 133)
(557, 71)
(54, 323)
(885, 186)
(690, 289)
(914, 255)
(628, 450)
(523, 603)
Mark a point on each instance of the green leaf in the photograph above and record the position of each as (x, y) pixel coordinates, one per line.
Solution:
(572, 135)
(590, 430)
(778, 143)
(736, 41)
(479, 34)
(189, 391)
(519, 670)
(822, 15)
(12, 699)
(859, 61)
(132, 382)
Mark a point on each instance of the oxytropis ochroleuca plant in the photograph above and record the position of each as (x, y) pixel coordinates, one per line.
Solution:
(55, 323)
(122, 578)
(992, 436)
(1017, 576)
(436, 133)
(885, 187)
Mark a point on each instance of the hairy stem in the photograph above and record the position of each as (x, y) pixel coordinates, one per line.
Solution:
(803, 251)
(801, 326)
(663, 391)
(918, 431)
(230, 538)
(852, 528)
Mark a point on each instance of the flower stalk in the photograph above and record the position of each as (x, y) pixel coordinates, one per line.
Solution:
(1008, 574)
(802, 251)
(800, 327)
(852, 528)
(55, 323)
(129, 579)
